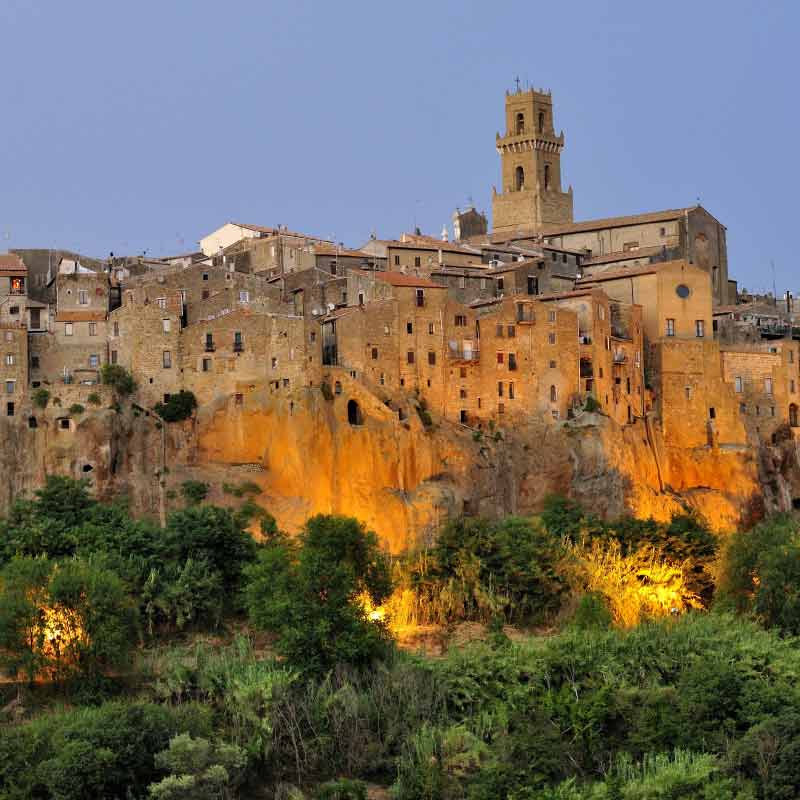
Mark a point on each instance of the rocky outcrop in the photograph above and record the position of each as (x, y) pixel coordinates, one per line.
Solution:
(391, 466)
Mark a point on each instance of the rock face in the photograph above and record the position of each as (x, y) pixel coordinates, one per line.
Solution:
(401, 476)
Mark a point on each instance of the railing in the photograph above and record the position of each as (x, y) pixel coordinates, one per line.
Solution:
(525, 314)
(464, 353)
(620, 357)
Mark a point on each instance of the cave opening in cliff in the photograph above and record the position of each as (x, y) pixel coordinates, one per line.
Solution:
(354, 415)
(796, 502)
(87, 467)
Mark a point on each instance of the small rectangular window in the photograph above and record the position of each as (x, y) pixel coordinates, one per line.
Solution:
(501, 357)
(10, 386)
(83, 297)
(461, 321)
(512, 361)
(35, 363)
(670, 327)
(500, 388)
(92, 329)
(510, 391)
(699, 328)
(9, 359)
(768, 385)
(512, 331)
(397, 261)
(116, 329)
(205, 276)
(500, 331)
(551, 338)
(410, 356)
(409, 327)
(206, 365)
(165, 325)
(420, 296)
(431, 329)
(113, 356)
(738, 383)
(166, 359)
(161, 302)
(551, 316)
(94, 361)
(431, 358)
(244, 297)
(67, 329)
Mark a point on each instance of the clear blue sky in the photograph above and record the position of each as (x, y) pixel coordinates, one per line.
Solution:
(145, 125)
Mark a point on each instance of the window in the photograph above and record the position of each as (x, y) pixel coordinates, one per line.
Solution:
(113, 356)
(462, 393)
(9, 409)
(662, 231)
(460, 321)
(512, 361)
(431, 358)
(417, 261)
(712, 413)
(791, 356)
(553, 365)
(410, 356)
(386, 330)
(397, 261)
(83, 297)
(382, 380)
(500, 331)
(511, 391)
(431, 329)
(737, 381)
(519, 179)
(92, 329)
(209, 342)
(551, 316)
(9, 336)
(600, 372)
(14, 310)
(462, 372)
(533, 284)
(206, 365)
(274, 362)
(551, 338)
(772, 411)
(463, 416)
(791, 385)
(768, 385)
(554, 255)
(166, 359)
(501, 409)
(165, 325)
(244, 297)
(682, 290)
(374, 353)
(67, 329)
(205, 294)
(601, 312)
(501, 357)
(161, 302)
(35, 363)
(742, 408)
(9, 359)
(10, 386)
(361, 298)
(699, 328)
(500, 388)
(541, 122)
(512, 332)
(553, 394)
(409, 327)
(420, 296)
(546, 176)
(520, 123)
(670, 327)
(94, 361)
(205, 276)
(462, 282)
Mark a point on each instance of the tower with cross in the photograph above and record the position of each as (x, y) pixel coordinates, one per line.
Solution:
(530, 197)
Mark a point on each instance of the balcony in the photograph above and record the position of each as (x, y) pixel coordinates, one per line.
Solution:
(525, 313)
(456, 353)
(620, 357)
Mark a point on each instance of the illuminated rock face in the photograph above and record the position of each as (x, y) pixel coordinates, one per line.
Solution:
(381, 464)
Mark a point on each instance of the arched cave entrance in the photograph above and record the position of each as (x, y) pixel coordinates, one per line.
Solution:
(354, 415)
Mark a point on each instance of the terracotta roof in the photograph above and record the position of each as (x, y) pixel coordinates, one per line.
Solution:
(12, 264)
(626, 255)
(563, 295)
(399, 279)
(340, 312)
(327, 249)
(80, 316)
(271, 231)
(446, 247)
(614, 274)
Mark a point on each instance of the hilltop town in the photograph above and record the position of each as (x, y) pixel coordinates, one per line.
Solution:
(473, 371)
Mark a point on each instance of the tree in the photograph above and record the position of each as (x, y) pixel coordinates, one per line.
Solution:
(194, 491)
(310, 594)
(118, 378)
(179, 407)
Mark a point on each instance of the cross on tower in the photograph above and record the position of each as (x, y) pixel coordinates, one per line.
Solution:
(517, 82)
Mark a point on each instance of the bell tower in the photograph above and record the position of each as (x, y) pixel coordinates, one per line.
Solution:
(530, 153)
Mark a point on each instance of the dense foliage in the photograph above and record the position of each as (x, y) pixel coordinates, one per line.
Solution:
(179, 407)
(656, 679)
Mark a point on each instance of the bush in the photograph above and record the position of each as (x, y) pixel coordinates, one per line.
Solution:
(118, 378)
(342, 789)
(242, 489)
(194, 492)
(591, 405)
(179, 407)
(94, 399)
(76, 408)
(311, 595)
(40, 397)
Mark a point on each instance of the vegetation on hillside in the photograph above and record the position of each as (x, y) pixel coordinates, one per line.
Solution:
(196, 662)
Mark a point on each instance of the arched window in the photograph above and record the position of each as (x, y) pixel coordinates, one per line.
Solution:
(546, 176)
(519, 179)
(541, 122)
(553, 394)
(520, 123)
(354, 415)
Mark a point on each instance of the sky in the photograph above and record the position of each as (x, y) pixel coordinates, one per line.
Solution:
(133, 127)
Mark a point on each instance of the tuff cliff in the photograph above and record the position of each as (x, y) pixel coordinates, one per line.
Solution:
(401, 474)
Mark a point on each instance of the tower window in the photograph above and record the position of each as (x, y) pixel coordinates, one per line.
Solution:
(520, 123)
(519, 179)
(546, 176)
(541, 122)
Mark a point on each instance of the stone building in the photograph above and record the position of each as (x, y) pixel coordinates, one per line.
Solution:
(13, 366)
(13, 289)
(530, 152)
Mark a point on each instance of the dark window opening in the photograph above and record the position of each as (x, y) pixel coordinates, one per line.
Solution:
(63, 423)
(712, 413)
(546, 176)
(541, 122)
(519, 179)
(337, 387)
(87, 467)
(463, 416)
(32, 423)
(9, 409)
(520, 123)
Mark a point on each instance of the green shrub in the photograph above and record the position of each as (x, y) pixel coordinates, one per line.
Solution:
(118, 378)
(242, 489)
(194, 492)
(94, 399)
(592, 612)
(591, 404)
(40, 397)
(342, 789)
(76, 408)
(179, 407)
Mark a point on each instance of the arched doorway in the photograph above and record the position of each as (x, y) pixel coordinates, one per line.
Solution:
(354, 415)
